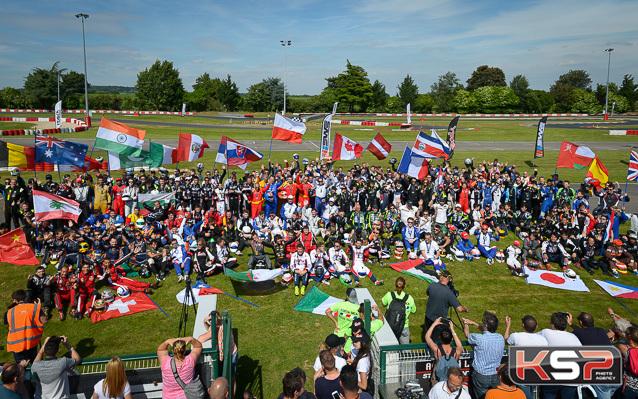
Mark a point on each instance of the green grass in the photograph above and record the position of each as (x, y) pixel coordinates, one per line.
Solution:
(15, 125)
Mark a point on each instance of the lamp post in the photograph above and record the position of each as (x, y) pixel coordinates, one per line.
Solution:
(608, 50)
(87, 118)
(285, 43)
(58, 86)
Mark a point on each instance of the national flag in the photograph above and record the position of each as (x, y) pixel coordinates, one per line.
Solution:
(632, 174)
(316, 301)
(255, 275)
(123, 161)
(191, 147)
(59, 152)
(234, 153)
(198, 289)
(89, 164)
(161, 154)
(118, 138)
(430, 146)
(574, 156)
(49, 206)
(345, 149)
(415, 268)
(12, 155)
(413, 165)
(618, 290)
(134, 303)
(149, 199)
(379, 147)
(555, 280)
(15, 250)
(286, 129)
(598, 171)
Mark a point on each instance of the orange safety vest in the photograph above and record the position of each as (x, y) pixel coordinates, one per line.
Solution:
(25, 328)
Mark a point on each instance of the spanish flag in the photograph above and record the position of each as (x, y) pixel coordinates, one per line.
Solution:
(598, 171)
(12, 155)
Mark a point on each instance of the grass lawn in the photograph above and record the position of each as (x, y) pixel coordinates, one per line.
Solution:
(275, 338)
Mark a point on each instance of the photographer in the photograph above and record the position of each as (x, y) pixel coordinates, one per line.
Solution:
(52, 374)
(441, 296)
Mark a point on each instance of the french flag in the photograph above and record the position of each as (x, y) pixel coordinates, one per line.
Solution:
(234, 153)
(413, 165)
(431, 146)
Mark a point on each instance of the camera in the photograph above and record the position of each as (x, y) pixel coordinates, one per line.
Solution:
(450, 285)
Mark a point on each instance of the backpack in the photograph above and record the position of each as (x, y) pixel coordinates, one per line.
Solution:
(395, 315)
(442, 366)
(631, 364)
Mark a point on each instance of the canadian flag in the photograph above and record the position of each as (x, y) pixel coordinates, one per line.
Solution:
(345, 149)
(379, 147)
(191, 147)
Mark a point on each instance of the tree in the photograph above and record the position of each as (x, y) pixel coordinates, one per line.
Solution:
(520, 85)
(160, 87)
(444, 90)
(228, 94)
(352, 87)
(585, 102)
(463, 102)
(423, 104)
(379, 96)
(258, 98)
(408, 91)
(41, 87)
(563, 97)
(492, 99)
(601, 90)
(629, 90)
(578, 79)
(546, 101)
(12, 98)
(276, 90)
(621, 106)
(486, 76)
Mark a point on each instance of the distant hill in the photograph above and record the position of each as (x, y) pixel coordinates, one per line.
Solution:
(112, 89)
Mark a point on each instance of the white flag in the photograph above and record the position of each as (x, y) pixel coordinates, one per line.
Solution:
(58, 114)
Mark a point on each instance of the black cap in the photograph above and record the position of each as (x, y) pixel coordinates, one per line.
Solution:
(357, 325)
(363, 337)
(333, 341)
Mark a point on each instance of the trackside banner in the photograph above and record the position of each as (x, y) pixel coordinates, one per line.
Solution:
(325, 136)
(540, 147)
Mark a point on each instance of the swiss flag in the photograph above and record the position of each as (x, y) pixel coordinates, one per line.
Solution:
(345, 149)
(134, 303)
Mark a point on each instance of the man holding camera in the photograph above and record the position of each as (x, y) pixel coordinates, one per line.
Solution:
(52, 374)
(441, 296)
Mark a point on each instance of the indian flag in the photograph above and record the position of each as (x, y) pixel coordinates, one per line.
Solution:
(49, 206)
(316, 301)
(118, 138)
(574, 156)
(255, 275)
(409, 267)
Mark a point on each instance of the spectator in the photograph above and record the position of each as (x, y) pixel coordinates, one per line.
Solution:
(440, 298)
(586, 333)
(26, 323)
(449, 388)
(630, 390)
(115, 385)
(346, 311)
(525, 338)
(219, 389)
(294, 382)
(12, 377)
(348, 378)
(327, 380)
(407, 300)
(184, 365)
(506, 388)
(444, 350)
(556, 335)
(52, 374)
(220, 344)
(488, 351)
(363, 361)
(334, 344)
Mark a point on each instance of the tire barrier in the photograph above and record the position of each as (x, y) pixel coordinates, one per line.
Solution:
(21, 132)
(461, 115)
(98, 111)
(623, 132)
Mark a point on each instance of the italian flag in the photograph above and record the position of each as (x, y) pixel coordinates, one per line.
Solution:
(255, 275)
(574, 156)
(49, 206)
(162, 155)
(316, 301)
(409, 267)
(118, 138)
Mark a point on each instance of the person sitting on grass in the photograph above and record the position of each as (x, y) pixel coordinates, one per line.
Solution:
(483, 239)
(553, 251)
(513, 253)
(300, 265)
(359, 268)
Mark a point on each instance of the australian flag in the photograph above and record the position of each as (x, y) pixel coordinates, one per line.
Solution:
(55, 151)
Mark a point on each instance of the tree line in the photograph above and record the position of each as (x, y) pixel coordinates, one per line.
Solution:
(160, 87)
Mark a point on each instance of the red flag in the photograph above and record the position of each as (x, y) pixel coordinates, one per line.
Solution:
(345, 149)
(191, 147)
(289, 130)
(210, 291)
(15, 250)
(134, 303)
(379, 147)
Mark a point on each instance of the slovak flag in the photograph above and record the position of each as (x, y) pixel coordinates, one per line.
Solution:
(379, 147)
(286, 129)
(431, 146)
(191, 147)
(234, 153)
(413, 165)
(345, 149)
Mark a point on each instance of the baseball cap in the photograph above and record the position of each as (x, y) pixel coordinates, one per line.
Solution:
(618, 242)
(333, 340)
(364, 338)
(446, 274)
(357, 325)
(290, 197)
(351, 293)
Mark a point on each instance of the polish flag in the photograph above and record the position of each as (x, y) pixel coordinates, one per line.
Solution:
(345, 149)
(191, 147)
(379, 147)
(286, 129)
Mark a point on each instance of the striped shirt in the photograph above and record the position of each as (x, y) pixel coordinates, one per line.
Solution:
(488, 351)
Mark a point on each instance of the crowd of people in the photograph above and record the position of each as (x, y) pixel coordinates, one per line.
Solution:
(320, 222)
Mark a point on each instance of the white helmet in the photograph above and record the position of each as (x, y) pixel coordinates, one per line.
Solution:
(107, 296)
(345, 278)
(233, 246)
(499, 257)
(130, 171)
(286, 278)
(200, 167)
(246, 229)
(123, 292)
(476, 253)
(139, 222)
(15, 171)
(458, 254)
(570, 274)
(346, 238)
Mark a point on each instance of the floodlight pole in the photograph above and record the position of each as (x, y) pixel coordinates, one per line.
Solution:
(285, 43)
(86, 88)
(608, 50)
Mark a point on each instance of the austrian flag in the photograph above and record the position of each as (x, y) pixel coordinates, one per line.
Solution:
(345, 149)
(379, 147)
(49, 206)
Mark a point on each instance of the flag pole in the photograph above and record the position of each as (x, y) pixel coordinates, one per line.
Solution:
(158, 306)
(236, 297)
(91, 156)
(270, 150)
(623, 305)
(627, 180)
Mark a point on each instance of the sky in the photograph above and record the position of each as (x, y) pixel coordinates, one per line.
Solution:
(540, 39)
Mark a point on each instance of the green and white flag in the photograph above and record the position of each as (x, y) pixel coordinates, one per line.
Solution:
(118, 138)
(411, 267)
(123, 161)
(316, 301)
(255, 275)
(149, 199)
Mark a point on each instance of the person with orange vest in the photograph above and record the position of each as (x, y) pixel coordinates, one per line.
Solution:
(26, 324)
